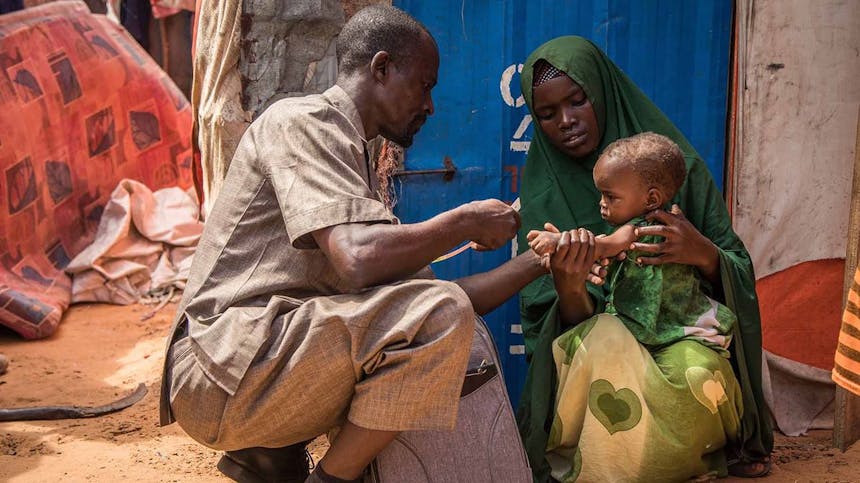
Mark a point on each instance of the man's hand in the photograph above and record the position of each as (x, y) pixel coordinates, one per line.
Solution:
(492, 223)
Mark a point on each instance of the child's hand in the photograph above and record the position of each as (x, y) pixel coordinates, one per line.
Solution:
(543, 243)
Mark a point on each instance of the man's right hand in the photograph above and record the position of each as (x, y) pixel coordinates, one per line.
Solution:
(491, 223)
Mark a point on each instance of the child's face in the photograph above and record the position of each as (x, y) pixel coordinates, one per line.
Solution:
(624, 195)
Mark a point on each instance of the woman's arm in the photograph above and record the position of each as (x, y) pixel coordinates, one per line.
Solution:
(571, 266)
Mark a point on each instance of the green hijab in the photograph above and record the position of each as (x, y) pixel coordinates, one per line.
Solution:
(561, 190)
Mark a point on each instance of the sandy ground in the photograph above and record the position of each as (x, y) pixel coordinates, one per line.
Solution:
(101, 353)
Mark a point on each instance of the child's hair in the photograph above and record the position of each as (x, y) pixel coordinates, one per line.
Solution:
(654, 157)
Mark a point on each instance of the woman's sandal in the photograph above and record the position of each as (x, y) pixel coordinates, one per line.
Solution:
(750, 469)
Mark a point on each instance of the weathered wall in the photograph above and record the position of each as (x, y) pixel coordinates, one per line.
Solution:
(282, 45)
(251, 53)
(288, 48)
(799, 108)
(798, 103)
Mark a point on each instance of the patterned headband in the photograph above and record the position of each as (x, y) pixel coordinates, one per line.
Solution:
(544, 71)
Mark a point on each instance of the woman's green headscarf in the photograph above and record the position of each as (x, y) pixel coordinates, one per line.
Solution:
(552, 180)
(561, 190)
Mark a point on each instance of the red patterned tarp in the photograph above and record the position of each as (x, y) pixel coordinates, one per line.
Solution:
(82, 106)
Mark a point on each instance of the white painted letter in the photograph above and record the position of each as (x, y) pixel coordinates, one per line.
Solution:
(505, 86)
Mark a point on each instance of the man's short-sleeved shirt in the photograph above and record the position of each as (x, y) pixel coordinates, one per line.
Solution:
(301, 166)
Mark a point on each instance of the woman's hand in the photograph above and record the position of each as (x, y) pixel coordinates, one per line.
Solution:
(682, 243)
(597, 273)
(572, 261)
(571, 265)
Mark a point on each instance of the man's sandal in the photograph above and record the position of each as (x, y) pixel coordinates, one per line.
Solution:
(290, 464)
(750, 469)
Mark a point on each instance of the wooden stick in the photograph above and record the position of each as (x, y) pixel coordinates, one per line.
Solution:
(71, 412)
(846, 420)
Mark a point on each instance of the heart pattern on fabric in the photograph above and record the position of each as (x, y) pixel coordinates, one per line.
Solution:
(709, 388)
(618, 410)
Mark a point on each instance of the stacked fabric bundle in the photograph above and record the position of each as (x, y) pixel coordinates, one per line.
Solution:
(82, 107)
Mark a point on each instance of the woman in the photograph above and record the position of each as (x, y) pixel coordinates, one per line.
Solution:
(627, 411)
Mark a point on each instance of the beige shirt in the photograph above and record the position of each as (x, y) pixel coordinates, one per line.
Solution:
(301, 166)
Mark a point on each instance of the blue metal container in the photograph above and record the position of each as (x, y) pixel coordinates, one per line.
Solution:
(677, 51)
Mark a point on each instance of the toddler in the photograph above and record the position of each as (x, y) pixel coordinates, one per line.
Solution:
(659, 304)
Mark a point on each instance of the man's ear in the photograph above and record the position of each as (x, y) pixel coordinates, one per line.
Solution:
(380, 66)
(655, 199)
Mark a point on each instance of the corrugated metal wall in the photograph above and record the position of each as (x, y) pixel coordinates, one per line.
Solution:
(676, 50)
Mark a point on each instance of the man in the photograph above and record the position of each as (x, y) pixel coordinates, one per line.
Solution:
(309, 306)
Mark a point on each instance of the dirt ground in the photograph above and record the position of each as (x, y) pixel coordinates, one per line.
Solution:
(101, 353)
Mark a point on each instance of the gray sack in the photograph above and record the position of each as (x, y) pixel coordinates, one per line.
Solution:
(485, 445)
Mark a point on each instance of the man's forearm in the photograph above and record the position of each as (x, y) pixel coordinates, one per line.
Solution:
(491, 289)
(373, 254)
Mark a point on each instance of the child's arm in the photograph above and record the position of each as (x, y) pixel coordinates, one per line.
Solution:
(545, 242)
(611, 245)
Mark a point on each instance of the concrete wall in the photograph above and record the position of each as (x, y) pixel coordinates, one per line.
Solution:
(251, 53)
(286, 49)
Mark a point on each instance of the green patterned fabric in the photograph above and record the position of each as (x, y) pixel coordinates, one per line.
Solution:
(662, 304)
(629, 414)
(561, 190)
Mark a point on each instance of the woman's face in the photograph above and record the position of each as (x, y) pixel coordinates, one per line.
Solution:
(566, 116)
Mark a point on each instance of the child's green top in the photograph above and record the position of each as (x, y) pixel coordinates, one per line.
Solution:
(662, 304)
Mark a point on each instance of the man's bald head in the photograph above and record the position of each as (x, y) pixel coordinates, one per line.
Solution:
(379, 28)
